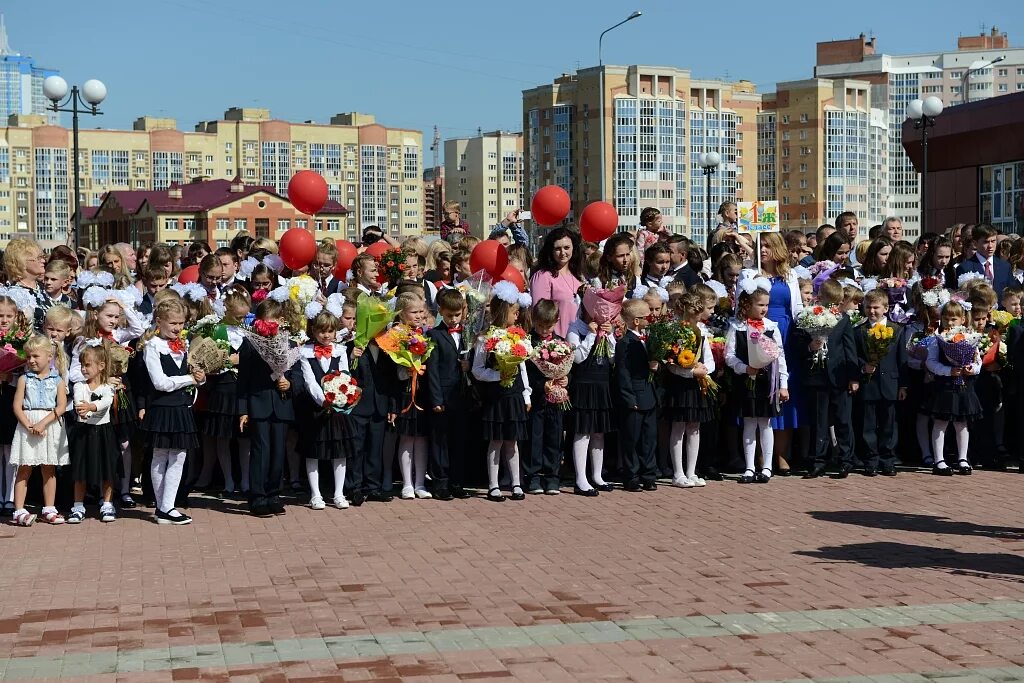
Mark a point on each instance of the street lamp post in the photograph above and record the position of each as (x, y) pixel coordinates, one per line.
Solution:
(923, 113)
(600, 64)
(965, 81)
(89, 97)
(709, 161)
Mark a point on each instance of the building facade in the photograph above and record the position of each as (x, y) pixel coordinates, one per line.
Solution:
(433, 198)
(967, 74)
(634, 136)
(21, 82)
(485, 175)
(373, 170)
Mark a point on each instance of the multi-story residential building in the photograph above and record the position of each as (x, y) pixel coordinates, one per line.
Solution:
(485, 175)
(967, 74)
(21, 82)
(634, 136)
(373, 170)
(433, 197)
(820, 151)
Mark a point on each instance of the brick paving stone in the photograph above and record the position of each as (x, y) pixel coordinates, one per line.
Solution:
(426, 570)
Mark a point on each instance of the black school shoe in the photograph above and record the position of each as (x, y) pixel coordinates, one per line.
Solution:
(443, 493)
(946, 471)
(650, 486)
(275, 507)
(459, 492)
(888, 471)
(632, 487)
(379, 497)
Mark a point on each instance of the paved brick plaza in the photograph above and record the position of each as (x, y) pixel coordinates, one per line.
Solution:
(862, 580)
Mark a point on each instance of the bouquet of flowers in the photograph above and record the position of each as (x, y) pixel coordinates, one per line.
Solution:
(818, 321)
(762, 350)
(554, 359)
(856, 317)
(508, 347)
(688, 349)
(1002, 320)
(409, 348)
(341, 392)
(12, 352)
(879, 339)
(992, 348)
(662, 342)
(718, 351)
(273, 344)
(917, 345)
(210, 348)
(372, 316)
(391, 265)
(603, 306)
(895, 287)
(477, 292)
(960, 346)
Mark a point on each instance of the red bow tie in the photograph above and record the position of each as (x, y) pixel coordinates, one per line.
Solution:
(323, 351)
(176, 345)
(642, 337)
(109, 336)
(756, 325)
(455, 329)
(547, 337)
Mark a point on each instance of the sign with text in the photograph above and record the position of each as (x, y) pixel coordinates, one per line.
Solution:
(758, 216)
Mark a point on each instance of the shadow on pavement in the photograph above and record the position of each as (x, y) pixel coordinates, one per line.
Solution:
(885, 555)
(909, 522)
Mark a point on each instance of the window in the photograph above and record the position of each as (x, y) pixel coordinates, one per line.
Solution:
(1003, 72)
(803, 118)
(803, 168)
(283, 224)
(1002, 87)
(333, 225)
(956, 74)
(785, 118)
(223, 224)
(170, 224)
(240, 224)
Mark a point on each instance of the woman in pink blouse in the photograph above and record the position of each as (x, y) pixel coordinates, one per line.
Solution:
(558, 275)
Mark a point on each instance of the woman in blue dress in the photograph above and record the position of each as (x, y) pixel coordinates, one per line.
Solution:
(784, 304)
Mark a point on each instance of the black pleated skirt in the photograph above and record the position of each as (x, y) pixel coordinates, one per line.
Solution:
(123, 414)
(683, 400)
(754, 402)
(503, 418)
(946, 401)
(171, 427)
(220, 419)
(95, 454)
(325, 437)
(592, 407)
(415, 421)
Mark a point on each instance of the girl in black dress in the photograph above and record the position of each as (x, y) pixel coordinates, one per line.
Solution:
(412, 421)
(94, 447)
(591, 398)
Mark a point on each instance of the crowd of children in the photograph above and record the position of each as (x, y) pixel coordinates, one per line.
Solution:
(775, 363)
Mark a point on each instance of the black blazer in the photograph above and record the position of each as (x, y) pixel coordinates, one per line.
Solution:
(446, 383)
(1002, 274)
(632, 387)
(257, 394)
(841, 365)
(379, 380)
(887, 380)
(688, 276)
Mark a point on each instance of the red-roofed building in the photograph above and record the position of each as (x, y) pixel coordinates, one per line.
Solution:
(211, 211)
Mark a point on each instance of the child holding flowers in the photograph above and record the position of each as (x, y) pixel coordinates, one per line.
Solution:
(499, 363)
(955, 362)
(409, 348)
(544, 457)
(689, 400)
(987, 449)
(753, 350)
(17, 310)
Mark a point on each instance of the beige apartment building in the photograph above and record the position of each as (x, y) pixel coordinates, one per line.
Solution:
(372, 170)
(634, 135)
(485, 175)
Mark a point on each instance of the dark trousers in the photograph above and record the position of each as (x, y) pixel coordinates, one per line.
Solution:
(544, 453)
(639, 437)
(447, 453)
(987, 441)
(365, 471)
(266, 460)
(879, 434)
(831, 407)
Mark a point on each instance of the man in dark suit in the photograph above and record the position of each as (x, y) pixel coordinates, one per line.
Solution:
(994, 269)
(375, 373)
(265, 405)
(155, 281)
(882, 387)
(446, 385)
(634, 395)
(679, 252)
(830, 384)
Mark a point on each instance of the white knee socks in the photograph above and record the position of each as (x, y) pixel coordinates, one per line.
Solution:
(939, 441)
(510, 451)
(751, 427)
(168, 465)
(412, 453)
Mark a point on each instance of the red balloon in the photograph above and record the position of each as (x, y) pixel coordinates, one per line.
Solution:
(189, 275)
(298, 248)
(550, 205)
(489, 255)
(347, 253)
(598, 221)
(377, 248)
(307, 191)
(512, 274)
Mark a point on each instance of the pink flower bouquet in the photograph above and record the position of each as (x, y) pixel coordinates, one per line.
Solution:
(603, 306)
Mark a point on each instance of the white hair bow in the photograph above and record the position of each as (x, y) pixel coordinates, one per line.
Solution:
(524, 300)
(246, 267)
(506, 291)
(752, 284)
(95, 296)
(640, 291)
(23, 299)
(335, 305)
(274, 262)
(313, 309)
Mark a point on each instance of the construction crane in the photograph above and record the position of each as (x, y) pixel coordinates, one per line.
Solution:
(435, 187)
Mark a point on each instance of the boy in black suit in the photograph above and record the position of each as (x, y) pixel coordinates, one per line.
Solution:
(881, 388)
(446, 384)
(995, 270)
(265, 405)
(830, 383)
(634, 394)
(544, 453)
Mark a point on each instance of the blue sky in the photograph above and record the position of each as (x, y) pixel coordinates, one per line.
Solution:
(459, 65)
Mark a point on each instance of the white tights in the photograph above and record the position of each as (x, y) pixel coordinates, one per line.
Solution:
(690, 431)
(510, 451)
(313, 473)
(168, 465)
(9, 473)
(412, 452)
(580, 445)
(963, 437)
(752, 426)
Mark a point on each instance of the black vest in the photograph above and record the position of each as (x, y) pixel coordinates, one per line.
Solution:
(179, 397)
